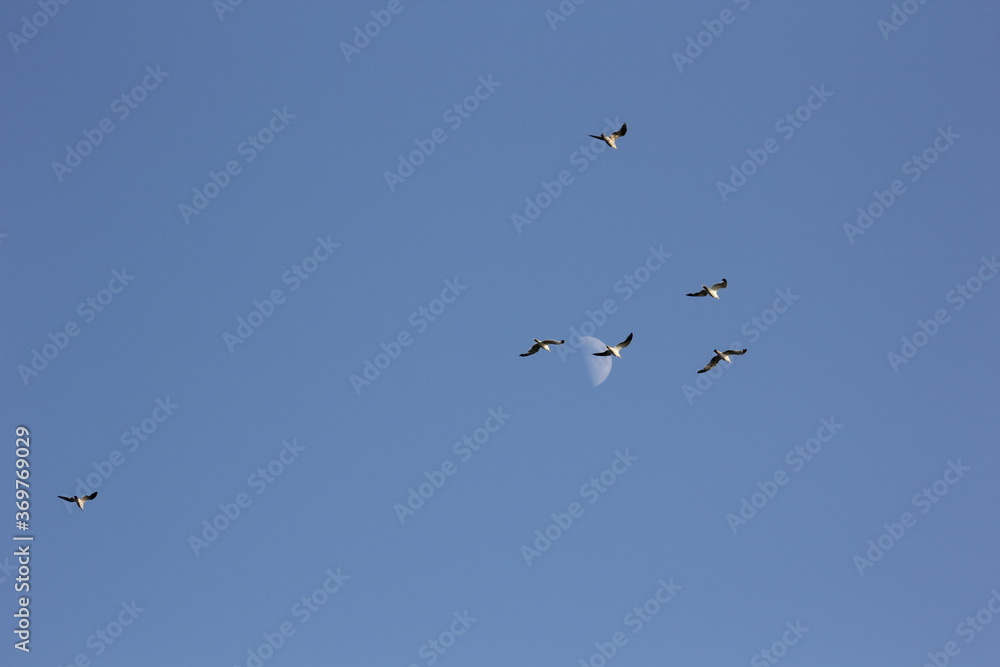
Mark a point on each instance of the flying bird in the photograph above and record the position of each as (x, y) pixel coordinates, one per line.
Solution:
(616, 349)
(541, 345)
(721, 356)
(610, 141)
(712, 291)
(81, 500)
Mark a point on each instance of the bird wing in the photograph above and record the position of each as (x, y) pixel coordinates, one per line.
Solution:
(595, 136)
(722, 285)
(712, 364)
(606, 353)
(69, 500)
(621, 132)
(702, 292)
(91, 496)
(622, 345)
(534, 348)
(731, 352)
(553, 342)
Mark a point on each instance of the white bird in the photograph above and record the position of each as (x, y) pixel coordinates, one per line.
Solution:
(712, 291)
(721, 356)
(80, 501)
(615, 350)
(541, 345)
(610, 141)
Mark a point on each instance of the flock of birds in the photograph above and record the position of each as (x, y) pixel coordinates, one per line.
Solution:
(611, 350)
(615, 350)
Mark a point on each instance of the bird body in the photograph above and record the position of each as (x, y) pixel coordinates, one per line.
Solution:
(616, 349)
(610, 140)
(541, 345)
(721, 356)
(80, 500)
(712, 291)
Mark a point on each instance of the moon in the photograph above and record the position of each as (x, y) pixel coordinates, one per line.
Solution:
(598, 368)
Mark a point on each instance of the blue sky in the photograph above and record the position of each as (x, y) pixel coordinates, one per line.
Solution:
(268, 278)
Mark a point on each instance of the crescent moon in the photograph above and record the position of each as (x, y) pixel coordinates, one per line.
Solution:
(598, 368)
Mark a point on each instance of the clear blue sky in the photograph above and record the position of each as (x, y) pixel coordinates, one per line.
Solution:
(213, 219)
